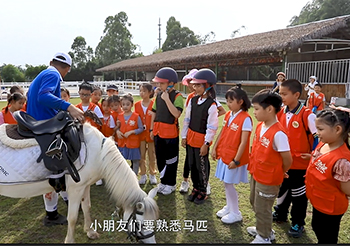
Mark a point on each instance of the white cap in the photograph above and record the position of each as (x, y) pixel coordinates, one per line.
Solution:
(313, 77)
(63, 57)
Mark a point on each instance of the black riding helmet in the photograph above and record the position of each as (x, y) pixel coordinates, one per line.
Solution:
(203, 76)
(165, 74)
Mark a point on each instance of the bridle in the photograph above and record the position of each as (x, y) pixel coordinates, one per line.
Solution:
(135, 234)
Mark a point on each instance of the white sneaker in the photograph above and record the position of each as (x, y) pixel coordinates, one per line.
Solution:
(99, 182)
(161, 187)
(143, 179)
(260, 240)
(153, 179)
(231, 218)
(222, 212)
(208, 189)
(252, 231)
(184, 187)
(168, 189)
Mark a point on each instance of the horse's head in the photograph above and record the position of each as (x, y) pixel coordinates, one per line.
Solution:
(141, 219)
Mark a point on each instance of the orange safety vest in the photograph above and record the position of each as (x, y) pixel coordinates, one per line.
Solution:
(133, 141)
(297, 136)
(92, 106)
(146, 120)
(230, 139)
(316, 101)
(191, 95)
(265, 164)
(106, 130)
(8, 118)
(166, 130)
(322, 189)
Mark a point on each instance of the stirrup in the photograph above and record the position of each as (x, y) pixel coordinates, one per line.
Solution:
(56, 147)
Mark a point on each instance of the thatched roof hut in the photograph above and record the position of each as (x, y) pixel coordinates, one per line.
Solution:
(262, 48)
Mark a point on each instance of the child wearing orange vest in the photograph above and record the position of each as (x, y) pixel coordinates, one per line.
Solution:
(114, 103)
(65, 95)
(128, 133)
(108, 125)
(232, 150)
(85, 90)
(199, 128)
(96, 96)
(317, 100)
(300, 125)
(144, 109)
(166, 110)
(328, 175)
(15, 102)
(270, 159)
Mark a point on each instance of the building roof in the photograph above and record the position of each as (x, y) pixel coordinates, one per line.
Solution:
(248, 46)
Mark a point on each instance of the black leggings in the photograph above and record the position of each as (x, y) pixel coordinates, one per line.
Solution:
(186, 172)
(326, 227)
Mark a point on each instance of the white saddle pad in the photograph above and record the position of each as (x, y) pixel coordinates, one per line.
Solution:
(18, 160)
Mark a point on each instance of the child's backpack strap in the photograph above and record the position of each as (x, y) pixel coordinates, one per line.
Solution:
(310, 136)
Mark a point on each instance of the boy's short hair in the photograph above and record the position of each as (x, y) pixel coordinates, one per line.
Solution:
(293, 85)
(266, 98)
(113, 99)
(318, 84)
(86, 86)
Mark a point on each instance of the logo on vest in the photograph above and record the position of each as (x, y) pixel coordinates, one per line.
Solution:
(132, 122)
(295, 124)
(265, 142)
(321, 166)
(234, 127)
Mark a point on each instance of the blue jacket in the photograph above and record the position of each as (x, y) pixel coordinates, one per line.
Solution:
(44, 95)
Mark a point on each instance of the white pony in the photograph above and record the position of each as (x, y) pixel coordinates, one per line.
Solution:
(103, 161)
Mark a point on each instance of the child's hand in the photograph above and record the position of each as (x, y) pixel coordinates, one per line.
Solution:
(204, 150)
(183, 142)
(127, 134)
(232, 165)
(165, 96)
(120, 134)
(286, 175)
(213, 154)
(305, 156)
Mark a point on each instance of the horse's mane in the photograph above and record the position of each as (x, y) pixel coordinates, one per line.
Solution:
(121, 181)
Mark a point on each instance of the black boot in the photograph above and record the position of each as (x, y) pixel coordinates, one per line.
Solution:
(54, 218)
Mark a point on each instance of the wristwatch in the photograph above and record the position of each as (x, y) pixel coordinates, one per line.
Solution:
(206, 143)
(236, 162)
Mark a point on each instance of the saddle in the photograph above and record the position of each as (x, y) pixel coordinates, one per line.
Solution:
(59, 139)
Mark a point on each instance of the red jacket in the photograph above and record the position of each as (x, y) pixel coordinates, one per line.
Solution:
(316, 101)
(106, 130)
(133, 141)
(230, 139)
(322, 189)
(266, 165)
(146, 120)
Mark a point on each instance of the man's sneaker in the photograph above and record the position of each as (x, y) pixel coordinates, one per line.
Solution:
(277, 219)
(200, 199)
(260, 240)
(99, 182)
(208, 189)
(161, 187)
(193, 195)
(296, 231)
(168, 189)
(252, 231)
(152, 179)
(58, 220)
(231, 218)
(184, 187)
(143, 179)
(222, 212)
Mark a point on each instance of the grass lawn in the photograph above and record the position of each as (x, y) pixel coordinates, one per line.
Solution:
(21, 219)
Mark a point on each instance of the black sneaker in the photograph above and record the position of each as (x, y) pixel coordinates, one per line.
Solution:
(193, 195)
(296, 231)
(201, 197)
(57, 220)
(276, 218)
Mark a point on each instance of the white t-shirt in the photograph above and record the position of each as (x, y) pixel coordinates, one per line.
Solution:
(247, 124)
(97, 111)
(310, 88)
(280, 140)
(310, 121)
(111, 121)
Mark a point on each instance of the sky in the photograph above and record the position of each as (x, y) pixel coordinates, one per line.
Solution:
(32, 31)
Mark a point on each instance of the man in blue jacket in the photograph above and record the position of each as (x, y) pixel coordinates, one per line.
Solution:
(43, 102)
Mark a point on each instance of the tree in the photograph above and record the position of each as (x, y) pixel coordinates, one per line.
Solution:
(178, 37)
(11, 73)
(237, 31)
(115, 45)
(320, 10)
(207, 38)
(80, 53)
(31, 72)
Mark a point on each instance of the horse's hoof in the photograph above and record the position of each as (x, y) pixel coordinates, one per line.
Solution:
(93, 234)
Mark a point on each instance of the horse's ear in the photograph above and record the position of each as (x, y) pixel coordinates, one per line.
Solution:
(140, 207)
(152, 193)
